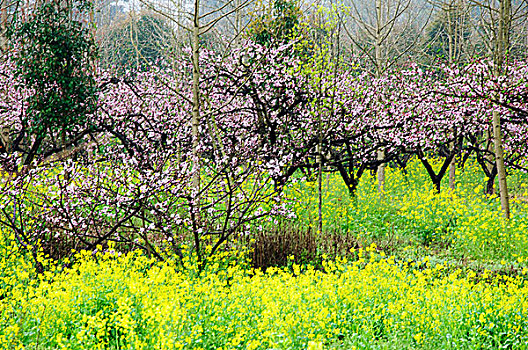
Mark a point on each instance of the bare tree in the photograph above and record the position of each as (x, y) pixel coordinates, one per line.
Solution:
(380, 31)
(451, 34)
(135, 41)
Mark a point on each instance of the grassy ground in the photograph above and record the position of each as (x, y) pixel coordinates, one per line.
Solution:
(411, 220)
(428, 272)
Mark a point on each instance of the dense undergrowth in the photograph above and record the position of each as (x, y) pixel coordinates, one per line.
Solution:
(426, 271)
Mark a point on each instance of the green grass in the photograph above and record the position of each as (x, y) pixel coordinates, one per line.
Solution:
(410, 219)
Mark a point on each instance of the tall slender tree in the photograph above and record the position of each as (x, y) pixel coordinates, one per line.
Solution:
(496, 18)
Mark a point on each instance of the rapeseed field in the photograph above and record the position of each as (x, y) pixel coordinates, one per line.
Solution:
(107, 301)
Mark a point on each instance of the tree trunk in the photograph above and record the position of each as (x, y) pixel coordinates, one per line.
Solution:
(381, 171)
(195, 207)
(501, 49)
(3, 27)
(238, 22)
(490, 184)
(63, 150)
(451, 32)
(378, 48)
(320, 189)
(436, 179)
(452, 174)
(5, 140)
(490, 164)
(452, 165)
(501, 169)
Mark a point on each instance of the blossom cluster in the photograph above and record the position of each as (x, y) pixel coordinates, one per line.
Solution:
(265, 115)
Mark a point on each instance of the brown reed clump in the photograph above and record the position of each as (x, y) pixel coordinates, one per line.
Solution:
(274, 246)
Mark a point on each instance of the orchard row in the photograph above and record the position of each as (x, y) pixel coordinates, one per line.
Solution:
(135, 170)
